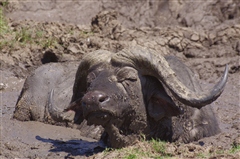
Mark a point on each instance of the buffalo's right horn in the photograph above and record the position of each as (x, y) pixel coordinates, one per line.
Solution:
(150, 62)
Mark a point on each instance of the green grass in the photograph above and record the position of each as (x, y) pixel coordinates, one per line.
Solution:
(201, 155)
(48, 43)
(4, 31)
(22, 36)
(3, 24)
(39, 33)
(4, 3)
(235, 149)
(135, 153)
(85, 34)
(131, 156)
(159, 146)
(155, 149)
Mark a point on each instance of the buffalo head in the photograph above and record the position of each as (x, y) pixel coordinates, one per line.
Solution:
(131, 92)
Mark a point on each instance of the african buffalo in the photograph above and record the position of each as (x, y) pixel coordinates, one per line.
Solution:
(135, 92)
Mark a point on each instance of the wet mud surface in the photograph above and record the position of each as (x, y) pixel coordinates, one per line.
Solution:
(205, 35)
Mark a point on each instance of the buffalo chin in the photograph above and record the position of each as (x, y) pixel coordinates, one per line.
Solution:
(98, 118)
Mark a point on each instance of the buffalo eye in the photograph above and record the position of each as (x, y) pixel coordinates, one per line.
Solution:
(127, 73)
(91, 76)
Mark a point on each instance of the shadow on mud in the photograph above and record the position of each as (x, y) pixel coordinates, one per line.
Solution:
(74, 147)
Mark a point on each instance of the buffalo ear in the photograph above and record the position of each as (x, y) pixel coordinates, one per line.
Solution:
(161, 105)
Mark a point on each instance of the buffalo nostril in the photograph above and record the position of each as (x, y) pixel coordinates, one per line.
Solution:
(94, 98)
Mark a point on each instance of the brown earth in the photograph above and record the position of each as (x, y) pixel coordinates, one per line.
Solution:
(204, 34)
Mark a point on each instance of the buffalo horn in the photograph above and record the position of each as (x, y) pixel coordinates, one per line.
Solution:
(58, 115)
(150, 62)
(94, 58)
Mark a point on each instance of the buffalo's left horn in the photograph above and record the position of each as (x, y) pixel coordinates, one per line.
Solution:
(57, 115)
(90, 59)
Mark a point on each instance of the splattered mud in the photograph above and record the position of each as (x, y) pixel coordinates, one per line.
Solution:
(205, 35)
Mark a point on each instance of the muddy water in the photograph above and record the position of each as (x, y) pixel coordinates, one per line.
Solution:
(38, 139)
(31, 139)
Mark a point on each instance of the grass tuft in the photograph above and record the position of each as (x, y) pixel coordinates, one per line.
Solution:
(235, 149)
(159, 146)
(4, 3)
(3, 24)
